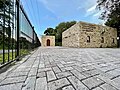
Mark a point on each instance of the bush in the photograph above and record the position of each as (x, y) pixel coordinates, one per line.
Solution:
(58, 43)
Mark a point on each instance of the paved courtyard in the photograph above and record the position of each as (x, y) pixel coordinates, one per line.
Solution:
(58, 68)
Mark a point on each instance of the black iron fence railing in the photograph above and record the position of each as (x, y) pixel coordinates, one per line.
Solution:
(17, 35)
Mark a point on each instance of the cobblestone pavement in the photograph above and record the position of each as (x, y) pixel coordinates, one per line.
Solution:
(58, 68)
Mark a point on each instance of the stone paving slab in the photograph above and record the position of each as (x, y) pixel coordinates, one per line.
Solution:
(77, 83)
(58, 84)
(29, 83)
(16, 86)
(93, 82)
(60, 68)
(13, 80)
(50, 76)
(41, 84)
(68, 88)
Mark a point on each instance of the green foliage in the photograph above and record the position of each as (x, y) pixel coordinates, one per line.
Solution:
(58, 31)
(24, 43)
(6, 57)
(7, 6)
(111, 12)
(58, 43)
(1, 4)
(22, 52)
(49, 31)
(8, 41)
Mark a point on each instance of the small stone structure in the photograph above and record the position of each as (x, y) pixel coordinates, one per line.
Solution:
(89, 35)
(48, 41)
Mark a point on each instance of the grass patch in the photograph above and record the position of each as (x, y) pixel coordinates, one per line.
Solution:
(22, 52)
(6, 57)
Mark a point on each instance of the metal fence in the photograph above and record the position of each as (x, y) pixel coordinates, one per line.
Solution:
(17, 35)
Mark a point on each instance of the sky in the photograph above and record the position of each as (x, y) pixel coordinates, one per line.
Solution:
(49, 13)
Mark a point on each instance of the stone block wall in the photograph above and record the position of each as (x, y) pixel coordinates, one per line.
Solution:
(46, 40)
(89, 35)
(70, 37)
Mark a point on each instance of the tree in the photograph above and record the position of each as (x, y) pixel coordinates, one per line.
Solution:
(49, 31)
(111, 14)
(61, 28)
(6, 22)
(58, 31)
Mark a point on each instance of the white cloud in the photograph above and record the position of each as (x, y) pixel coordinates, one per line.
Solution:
(61, 9)
(93, 11)
(97, 14)
(92, 8)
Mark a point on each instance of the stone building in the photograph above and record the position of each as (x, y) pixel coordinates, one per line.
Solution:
(89, 35)
(47, 41)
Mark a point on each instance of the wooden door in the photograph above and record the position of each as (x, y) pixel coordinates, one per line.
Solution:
(48, 42)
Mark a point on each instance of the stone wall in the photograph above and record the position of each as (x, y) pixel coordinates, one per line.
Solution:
(70, 37)
(89, 35)
(45, 38)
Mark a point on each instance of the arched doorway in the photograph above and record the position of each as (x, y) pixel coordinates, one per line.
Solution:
(48, 42)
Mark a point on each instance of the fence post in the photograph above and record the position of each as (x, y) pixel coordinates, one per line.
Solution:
(9, 32)
(33, 37)
(4, 33)
(18, 6)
